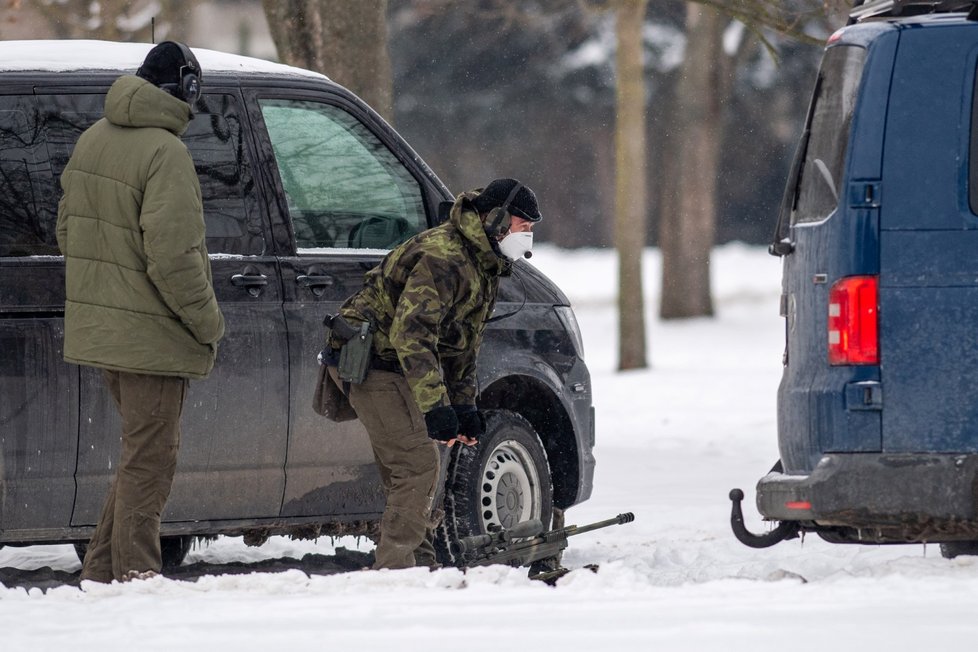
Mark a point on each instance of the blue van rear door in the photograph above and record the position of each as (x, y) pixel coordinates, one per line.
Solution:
(833, 232)
(929, 246)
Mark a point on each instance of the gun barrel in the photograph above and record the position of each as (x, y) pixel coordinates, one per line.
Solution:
(621, 519)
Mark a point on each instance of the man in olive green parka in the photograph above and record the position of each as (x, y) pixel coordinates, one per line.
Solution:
(140, 303)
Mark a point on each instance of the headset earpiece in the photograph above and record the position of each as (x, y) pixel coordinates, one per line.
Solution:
(500, 219)
(190, 87)
(190, 76)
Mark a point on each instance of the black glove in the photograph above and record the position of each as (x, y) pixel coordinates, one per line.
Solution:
(471, 423)
(442, 423)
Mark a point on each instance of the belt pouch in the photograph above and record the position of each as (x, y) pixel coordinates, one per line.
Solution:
(355, 356)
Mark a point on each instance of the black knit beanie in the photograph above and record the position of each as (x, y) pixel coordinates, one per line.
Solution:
(162, 64)
(495, 194)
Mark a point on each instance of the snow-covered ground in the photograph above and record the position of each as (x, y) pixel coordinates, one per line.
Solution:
(671, 442)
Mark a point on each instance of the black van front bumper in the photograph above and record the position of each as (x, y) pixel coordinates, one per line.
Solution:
(879, 498)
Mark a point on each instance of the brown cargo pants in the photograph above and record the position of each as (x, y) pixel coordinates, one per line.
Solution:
(408, 461)
(127, 537)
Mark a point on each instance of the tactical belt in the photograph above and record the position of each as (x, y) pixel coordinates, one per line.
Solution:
(331, 357)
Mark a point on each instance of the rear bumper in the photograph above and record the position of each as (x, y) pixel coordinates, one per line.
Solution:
(905, 497)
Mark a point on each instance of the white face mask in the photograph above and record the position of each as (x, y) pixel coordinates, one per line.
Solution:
(516, 245)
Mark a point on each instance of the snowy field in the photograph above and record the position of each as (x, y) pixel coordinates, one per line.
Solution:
(671, 442)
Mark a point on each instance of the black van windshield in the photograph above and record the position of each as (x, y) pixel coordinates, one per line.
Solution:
(820, 179)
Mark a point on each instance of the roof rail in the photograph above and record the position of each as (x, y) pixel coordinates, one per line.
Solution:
(897, 8)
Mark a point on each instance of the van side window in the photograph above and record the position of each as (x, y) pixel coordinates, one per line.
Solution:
(821, 177)
(344, 187)
(216, 142)
(27, 218)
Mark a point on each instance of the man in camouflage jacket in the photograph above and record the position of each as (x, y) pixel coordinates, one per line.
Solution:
(429, 300)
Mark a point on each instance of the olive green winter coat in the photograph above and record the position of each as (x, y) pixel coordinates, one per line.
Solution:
(139, 296)
(430, 298)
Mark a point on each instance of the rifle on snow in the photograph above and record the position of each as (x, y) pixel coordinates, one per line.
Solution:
(524, 543)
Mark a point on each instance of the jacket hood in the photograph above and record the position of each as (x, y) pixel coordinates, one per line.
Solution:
(134, 102)
(466, 220)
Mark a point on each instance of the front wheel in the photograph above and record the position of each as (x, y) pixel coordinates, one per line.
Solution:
(502, 481)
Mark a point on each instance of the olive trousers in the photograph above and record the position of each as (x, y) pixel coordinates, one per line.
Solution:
(408, 461)
(127, 537)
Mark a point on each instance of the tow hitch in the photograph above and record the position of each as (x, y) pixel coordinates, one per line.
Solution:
(785, 529)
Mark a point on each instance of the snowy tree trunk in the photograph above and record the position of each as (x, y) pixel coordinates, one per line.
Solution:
(630, 191)
(347, 41)
(688, 230)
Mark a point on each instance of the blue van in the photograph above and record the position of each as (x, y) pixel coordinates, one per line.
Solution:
(878, 233)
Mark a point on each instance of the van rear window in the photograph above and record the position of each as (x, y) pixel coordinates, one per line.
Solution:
(820, 177)
(216, 140)
(26, 217)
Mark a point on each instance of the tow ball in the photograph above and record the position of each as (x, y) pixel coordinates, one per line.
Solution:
(784, 530)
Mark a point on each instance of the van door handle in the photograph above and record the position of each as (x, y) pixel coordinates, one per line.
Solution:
(317, 283)
(313, 281)
(254, 282)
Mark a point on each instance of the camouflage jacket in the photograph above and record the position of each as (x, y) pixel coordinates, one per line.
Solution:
(429, 299)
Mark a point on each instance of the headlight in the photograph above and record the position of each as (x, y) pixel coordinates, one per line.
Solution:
(567, 318)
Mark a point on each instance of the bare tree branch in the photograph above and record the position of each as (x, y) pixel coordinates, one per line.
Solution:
(113, 20)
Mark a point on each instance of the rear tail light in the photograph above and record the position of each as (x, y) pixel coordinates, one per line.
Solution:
(854, 321)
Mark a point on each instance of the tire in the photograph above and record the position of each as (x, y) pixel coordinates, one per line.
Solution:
(502, 481)
(172, 549)
(953, 549)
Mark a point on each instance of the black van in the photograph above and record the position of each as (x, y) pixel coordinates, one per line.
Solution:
(878, 404)
(305, 188)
